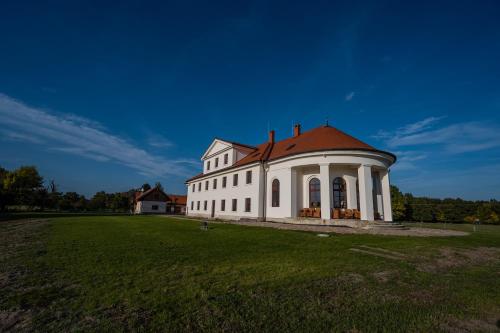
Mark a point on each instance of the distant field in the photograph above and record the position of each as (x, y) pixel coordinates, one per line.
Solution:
(162, 274)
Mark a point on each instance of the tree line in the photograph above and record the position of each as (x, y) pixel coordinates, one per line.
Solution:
(23, 189)
(406, 207)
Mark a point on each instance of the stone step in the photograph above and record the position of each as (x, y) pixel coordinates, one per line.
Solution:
(387, 225)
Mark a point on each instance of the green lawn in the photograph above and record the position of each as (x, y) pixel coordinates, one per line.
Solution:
(157, 273)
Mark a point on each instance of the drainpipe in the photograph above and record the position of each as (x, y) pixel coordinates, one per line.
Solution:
(264, 195)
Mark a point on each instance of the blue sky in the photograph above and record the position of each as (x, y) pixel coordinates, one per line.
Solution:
(106, 96)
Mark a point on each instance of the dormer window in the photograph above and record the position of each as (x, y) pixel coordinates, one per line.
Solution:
(226, 157)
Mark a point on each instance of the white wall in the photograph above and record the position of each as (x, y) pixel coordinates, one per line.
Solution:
(239, 192)
(147, 207)
(293, 173)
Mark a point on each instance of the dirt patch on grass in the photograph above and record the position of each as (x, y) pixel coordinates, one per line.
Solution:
(384, 276)
(417, 232)
(19, 320)
(377, 254)
(471, 325)
(449, 258)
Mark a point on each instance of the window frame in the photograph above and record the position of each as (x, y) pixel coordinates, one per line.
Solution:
(214, 184)
(248, 205)
(224, 182)
(248, 177)
(216, 162)
(275, 193)
(223, 205)
(234, 205)
(205, 205)
(235, 179)
(226, 158)
(316, 189)
(339, 195)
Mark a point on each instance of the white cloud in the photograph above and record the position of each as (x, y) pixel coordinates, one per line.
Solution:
(406, 160)
(79, 136)
(158, 141)
(455, 138)
(350, 96)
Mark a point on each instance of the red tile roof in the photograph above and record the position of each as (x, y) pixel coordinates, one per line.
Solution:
(178, 199)
(317, 139)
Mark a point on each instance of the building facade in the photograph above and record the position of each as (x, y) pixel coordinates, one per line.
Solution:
(320, 176)
(155, 201)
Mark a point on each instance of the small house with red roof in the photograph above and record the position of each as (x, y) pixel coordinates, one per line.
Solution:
(152, 201)
(155, 201)
(320, 176)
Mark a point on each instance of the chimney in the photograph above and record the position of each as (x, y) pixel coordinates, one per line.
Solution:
(271, 136)
(296, 130)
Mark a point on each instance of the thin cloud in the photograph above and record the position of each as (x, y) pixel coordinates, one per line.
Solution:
(455, 138)
(79, 136)
(350, 96)
(158, 141)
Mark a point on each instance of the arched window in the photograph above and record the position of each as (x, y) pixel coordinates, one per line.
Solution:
(275, 193)
(314, 193)
(339, 193)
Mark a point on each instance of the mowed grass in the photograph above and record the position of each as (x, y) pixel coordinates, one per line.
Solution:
(164, 274)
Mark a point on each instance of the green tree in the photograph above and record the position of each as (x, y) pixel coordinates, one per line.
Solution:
(398, 204)
(23, 184)
(98, 201)
(4, 195)
(146, 187)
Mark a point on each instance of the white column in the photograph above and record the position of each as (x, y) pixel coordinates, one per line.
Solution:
(293, 193)
(378, 192)
(351, 193)
(324, 177)
(386, 195)
(365, 192)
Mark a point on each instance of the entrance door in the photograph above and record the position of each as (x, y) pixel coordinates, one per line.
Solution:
(212, 213)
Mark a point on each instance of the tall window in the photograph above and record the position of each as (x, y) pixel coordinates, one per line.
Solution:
(199, 187)
(193, 188)
(234, 206)
(223, 205)
(357, 194)
(339, 193)
(314, 193)
(192, 205)
(216, 162)
(248, 205)
(215, 183)
(208, 165)
(197, 205)
(224, 182)
(206, 185)
(249, 177)
(205, 205)
(275, 198)
(235, 179)
(225, 159)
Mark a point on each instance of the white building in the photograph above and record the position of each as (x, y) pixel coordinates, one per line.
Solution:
(322, 176)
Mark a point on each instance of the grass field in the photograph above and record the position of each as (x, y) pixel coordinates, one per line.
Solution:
(157, 273)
